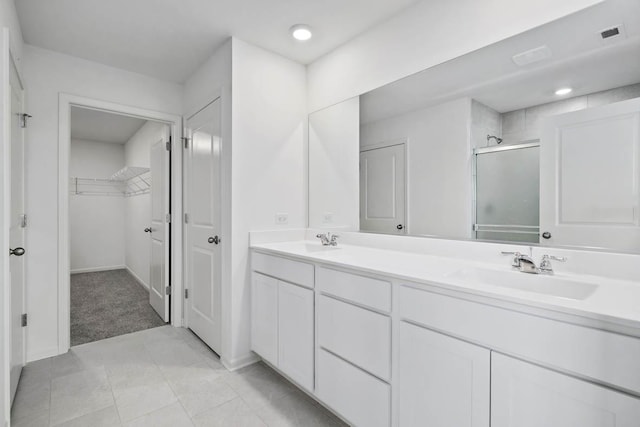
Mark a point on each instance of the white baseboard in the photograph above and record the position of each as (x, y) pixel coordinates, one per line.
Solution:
(138, 279)
(96, 269)
(43, 354)
(239, 362)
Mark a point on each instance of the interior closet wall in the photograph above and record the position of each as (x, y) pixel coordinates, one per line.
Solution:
(96, 221)
(138, 208)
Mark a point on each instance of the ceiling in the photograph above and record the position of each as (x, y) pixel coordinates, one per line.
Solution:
(169, 39)
(100, 126)
(580, 59)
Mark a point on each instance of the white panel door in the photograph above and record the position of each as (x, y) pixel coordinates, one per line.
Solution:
(295, 333)
(264, 317)
(159, 274)
(203, 252)
(16, 231)
(526, 395)
(442, 381)
(382, 190)
(590, 178)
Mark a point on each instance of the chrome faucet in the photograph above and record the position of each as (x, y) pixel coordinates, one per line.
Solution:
(526, 264)
(328, 239)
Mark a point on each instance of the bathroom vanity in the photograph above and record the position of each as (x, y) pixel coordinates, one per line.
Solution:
(389, 337)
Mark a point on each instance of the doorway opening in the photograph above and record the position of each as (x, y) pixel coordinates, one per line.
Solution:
(119, 199)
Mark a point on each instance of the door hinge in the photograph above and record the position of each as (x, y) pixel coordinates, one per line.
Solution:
(167, 218)
(168, 145)
(186, 218)
(23, 119)
(167, 290)
(24, 319)
(186, 141)
(186, 293)
(23, 220)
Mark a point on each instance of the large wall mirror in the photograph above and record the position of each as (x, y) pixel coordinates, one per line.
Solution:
(535, 140)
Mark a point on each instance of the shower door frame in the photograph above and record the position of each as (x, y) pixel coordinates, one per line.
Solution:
(474, 177)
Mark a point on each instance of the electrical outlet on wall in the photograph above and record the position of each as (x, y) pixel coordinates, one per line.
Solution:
(282, 218)
(327, 217)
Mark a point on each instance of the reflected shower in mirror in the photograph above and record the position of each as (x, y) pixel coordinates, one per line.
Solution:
(533, 139)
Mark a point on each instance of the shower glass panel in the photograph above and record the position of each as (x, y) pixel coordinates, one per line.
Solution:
(507, 183)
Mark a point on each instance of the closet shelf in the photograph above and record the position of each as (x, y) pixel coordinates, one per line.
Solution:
(128, 181)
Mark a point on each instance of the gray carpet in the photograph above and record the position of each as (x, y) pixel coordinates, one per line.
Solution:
(108, 303)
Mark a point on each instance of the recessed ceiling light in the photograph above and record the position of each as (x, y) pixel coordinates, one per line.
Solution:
(564, 91)
(301, 32)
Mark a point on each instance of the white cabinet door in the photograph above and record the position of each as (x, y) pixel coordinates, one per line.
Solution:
(295, 333)
(442, 381)
(525, 395)
(264, 317)
(590, 178)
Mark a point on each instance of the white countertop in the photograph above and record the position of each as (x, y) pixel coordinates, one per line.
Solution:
(614, 305)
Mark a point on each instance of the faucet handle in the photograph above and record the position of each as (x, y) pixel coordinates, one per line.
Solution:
(516, 258)
(545, 264)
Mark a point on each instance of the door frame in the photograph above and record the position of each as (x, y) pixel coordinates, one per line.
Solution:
(65, 102)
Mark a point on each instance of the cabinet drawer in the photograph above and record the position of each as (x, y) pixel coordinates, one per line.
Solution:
(592, 353)
(359, 397)
(358, 335)
(296, 272)
(369, 292)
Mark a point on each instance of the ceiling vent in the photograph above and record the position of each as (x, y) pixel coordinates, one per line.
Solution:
(534, 55)
(613, 34)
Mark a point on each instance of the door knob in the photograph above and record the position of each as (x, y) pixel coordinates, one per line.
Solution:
(16, 251)
(399, 226)
(214, 239)
(546, 235)
(147, 230)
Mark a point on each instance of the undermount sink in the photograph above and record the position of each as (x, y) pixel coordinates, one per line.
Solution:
(538, 283)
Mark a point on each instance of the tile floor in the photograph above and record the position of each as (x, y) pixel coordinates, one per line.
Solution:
(158, 377)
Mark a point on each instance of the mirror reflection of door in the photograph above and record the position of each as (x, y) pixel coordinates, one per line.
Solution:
(590, 178)
(382, 190)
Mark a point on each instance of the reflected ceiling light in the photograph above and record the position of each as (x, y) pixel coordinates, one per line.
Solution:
(301, 32)
(564, 91)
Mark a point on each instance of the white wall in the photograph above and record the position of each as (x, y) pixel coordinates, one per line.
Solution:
(96, 223)
(526, 124)
(438, 165)
(423, 35)
(47, 74)
(269, 138)
(334, 180)
(138, 207)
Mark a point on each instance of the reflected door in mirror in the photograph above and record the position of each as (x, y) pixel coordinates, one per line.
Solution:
(590, 178)
(382, 190)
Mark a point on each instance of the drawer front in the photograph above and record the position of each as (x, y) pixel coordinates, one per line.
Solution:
(296, 272)
(360, 398)
(369, 292)
(358, 335)
(600, 355)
